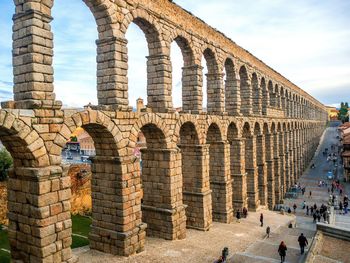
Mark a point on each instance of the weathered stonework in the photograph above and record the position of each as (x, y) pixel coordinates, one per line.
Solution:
(257, 136)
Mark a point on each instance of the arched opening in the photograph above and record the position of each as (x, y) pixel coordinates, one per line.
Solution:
(272, 95)
(161, 199)
(277, 166)
(137, 66)
(260, 161)
(246, 92)
(231, 89)
(277, 96)
(257, 94)
(74, 67)
(217, 172)
(93, 156)
(156, 73)
(283, 101)
(265, 96)
(196, 191)
(236, 169)
(213, 82)
(181, 60)
(76, 161)
(250, 167)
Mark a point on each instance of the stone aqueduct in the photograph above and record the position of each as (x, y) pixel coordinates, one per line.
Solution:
(256, 137)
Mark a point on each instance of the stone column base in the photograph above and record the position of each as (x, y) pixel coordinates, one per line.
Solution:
(200, 216)
(165, 223)
(118, 243)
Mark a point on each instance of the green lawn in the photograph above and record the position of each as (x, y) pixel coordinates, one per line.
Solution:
(4, 244)
(81, 226)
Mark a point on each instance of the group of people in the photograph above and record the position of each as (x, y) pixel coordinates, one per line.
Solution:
(343, 206)
(282, 248)
(239, 215)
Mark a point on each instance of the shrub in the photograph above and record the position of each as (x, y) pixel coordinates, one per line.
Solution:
(5, 163)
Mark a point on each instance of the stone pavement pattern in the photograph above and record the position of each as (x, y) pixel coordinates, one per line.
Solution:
(198, 247)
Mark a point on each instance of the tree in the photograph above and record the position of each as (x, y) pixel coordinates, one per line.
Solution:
(343, 114)
(5, 163)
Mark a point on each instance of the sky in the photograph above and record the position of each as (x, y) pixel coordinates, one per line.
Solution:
(307, 41)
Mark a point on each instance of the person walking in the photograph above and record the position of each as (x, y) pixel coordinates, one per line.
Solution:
(268, 230)
(307, 210)
(302, 243)
(314, 216)
(238, 216)
(294, 207)
(261, 220)
(310, 194)
(282, 251)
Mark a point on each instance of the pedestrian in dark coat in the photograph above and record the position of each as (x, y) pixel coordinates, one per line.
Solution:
(238, 216)
(314, 216)
(282, 251)
(302, 242)
(268, 230)
(261, 220)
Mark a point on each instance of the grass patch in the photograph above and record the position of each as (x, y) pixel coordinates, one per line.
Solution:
(81, 226)
(4, 243)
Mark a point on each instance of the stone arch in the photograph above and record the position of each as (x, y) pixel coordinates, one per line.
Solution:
(221, 204)
(188, 119)
(257, 129)
(23, 142)
(90, 120)
(195, 179)
(158, 60)
(257, 95)
(148, 24)
(250, 166)
(110, 166)
(265, 96)
(232, 132)
(215, 91)
(283, 100)
(237, 167)
(187, 81)
(260, 155)
(231, 88)
(155, 120)
(272, 94)
(245, 91)
(214, 120)
(277, 95)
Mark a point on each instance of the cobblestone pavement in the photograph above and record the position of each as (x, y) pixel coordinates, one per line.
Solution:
(199, 246)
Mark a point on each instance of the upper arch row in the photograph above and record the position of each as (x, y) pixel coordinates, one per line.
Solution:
(248, 90)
